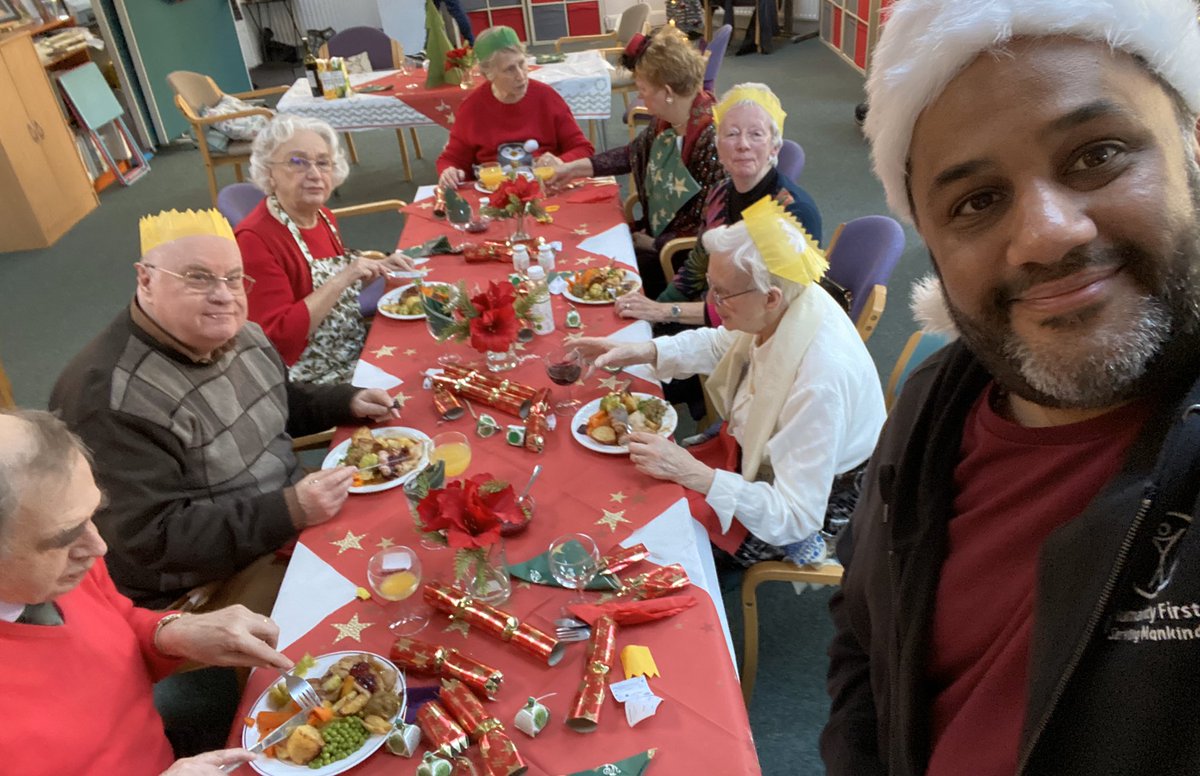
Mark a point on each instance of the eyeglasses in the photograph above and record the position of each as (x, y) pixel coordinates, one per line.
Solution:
(719, 299)
(753, 137)
(206, 282)
(300, 165)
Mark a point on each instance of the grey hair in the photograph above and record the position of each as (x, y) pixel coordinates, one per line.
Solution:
(42, 448)
(734, 241)
(776, 130)
(280, 130)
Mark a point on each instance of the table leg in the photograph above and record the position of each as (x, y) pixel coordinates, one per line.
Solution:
(350, 148)
(416, 142)
(404, 154)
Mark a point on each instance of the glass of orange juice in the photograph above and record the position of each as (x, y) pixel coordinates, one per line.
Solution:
(395, 575)
(453, 448)
(543, 172)
(490, 175)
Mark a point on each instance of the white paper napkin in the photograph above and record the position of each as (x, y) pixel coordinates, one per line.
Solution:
(367, 375)
(615, 243)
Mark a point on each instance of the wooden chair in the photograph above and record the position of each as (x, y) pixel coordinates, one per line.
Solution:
(920, 346)
(862, 255)
(772, 571)
(7, 402)
(193, 93)
(385, 53)
(611, 45)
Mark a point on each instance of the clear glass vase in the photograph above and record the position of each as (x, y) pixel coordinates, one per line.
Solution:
(518, 233)
(483, 574)
(500, 360)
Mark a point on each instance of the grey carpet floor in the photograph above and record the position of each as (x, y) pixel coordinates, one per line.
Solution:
(53, 301)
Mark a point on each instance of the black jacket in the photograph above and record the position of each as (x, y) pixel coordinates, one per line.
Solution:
(1115, 653)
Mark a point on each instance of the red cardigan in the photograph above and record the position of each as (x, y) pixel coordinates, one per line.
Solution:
(85, 688)
(482, 123)
(281, 275)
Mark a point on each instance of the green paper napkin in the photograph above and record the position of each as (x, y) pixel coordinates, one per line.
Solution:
(630, 766)
(537, 570)
(432, 247)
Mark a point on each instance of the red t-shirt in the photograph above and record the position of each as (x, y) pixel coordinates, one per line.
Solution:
(482, 123)
(281, 276)
(1014, 486)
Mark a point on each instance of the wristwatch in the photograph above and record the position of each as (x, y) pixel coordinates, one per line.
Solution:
(676, 310)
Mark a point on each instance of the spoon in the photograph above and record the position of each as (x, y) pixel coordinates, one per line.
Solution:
(536, 471)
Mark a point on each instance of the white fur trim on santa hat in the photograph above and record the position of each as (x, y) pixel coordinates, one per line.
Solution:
(929, 308)
(925, 43)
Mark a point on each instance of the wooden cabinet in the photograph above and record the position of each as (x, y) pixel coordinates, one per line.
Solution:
(44, 188)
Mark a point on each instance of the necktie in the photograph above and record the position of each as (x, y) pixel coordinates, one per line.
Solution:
(41, 614)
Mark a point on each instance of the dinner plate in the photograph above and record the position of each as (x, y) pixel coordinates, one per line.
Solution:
(630, 277)
(335, 456)
(393, 297)
(670, 420)
(272, 767)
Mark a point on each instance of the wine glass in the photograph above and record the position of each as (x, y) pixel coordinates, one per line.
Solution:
(395, 575)
(543, 172)
(574, 561)
(437, 302)
(453, 448)
(564, 365)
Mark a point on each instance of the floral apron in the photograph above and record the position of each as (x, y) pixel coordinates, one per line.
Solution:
(333, 349)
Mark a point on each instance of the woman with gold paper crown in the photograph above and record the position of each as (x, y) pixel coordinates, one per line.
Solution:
(794, 382)
(509, 109)
(674, 160)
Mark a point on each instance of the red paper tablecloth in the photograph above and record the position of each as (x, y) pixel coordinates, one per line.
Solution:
(702, 726)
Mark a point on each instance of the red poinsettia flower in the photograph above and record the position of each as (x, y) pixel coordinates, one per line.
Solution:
(470, 512)
(495, 328)
(516, 191)
(459, 57)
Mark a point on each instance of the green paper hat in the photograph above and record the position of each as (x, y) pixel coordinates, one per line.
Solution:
(493, 39)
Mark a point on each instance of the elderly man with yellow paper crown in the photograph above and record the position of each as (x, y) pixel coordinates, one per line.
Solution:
(791, 377)
(190, 413)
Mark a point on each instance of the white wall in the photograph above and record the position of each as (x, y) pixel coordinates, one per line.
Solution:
(404, 20)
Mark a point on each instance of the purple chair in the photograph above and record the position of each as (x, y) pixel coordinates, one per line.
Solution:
(385, 54)
(862, 255)
(716, 55)
(791, 160)
(236, 200)
(356, 40)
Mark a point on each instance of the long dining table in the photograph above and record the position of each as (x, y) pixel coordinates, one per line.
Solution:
(701, 727)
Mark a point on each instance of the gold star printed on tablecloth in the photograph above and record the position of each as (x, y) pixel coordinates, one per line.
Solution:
(617, 497)
(384, 543)
(384, 350)
(611, 519)
(401, 398)
(348, 542)
(523, 584)
(611, 382)
(443, 107)
(585, 259)
(425, 205)
(581, 231)
(410, 352)
(461, 627)
(351, 630)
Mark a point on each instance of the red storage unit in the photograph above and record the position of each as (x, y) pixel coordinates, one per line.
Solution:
(511, 17)
(584, 18)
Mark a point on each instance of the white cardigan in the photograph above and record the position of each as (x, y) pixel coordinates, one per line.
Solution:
(829, 424)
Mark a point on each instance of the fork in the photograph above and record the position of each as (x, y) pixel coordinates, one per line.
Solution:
(571, 629)
(301, 691)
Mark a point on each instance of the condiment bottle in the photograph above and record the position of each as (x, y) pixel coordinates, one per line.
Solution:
(545, 258)
(520, 258)
(540, 309)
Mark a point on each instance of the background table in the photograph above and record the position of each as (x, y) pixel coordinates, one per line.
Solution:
(583, 80)
(579, 490)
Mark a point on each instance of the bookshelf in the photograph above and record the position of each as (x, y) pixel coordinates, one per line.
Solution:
(536, 21)
(851, 28)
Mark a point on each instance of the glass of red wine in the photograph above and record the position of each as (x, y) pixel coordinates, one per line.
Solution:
(564, 366)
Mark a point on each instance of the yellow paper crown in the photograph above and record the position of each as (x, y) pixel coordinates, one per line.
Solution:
(171, 225)
(788, 251)
(759, 95)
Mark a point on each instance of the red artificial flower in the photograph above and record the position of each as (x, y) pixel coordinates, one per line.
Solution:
(470, 512)
(495, 328)
(517, 191)
(459, 57)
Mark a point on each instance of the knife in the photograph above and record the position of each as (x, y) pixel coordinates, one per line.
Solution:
(276, 736)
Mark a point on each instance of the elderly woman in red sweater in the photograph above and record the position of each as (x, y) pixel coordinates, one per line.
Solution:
(306, 288)
(509, 108)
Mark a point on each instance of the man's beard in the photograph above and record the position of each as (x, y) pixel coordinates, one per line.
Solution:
(1119, 357)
